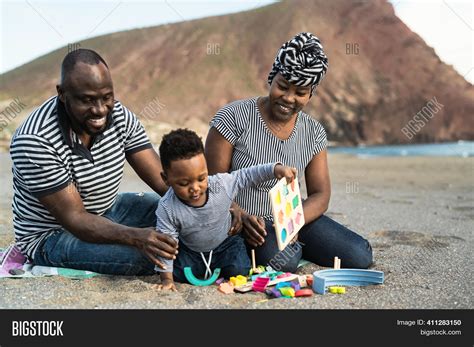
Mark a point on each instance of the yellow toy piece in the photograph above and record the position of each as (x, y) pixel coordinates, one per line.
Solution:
(288, 291)
(337, 290)
(238, 280)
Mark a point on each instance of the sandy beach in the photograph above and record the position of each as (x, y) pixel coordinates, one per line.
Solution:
(417, 212)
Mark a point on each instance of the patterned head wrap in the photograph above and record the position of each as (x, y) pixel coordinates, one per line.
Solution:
(301, 61)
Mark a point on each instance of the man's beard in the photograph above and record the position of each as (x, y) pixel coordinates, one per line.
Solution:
(82, 127)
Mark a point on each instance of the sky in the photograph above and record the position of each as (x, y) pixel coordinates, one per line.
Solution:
(32, 28)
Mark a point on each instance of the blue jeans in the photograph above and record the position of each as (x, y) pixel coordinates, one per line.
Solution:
(231, 256)
(62, 249)
(319, 242)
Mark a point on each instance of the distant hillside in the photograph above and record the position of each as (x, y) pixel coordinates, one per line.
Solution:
(380, 72)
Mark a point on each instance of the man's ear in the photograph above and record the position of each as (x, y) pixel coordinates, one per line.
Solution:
(60, 91)
(164, 177)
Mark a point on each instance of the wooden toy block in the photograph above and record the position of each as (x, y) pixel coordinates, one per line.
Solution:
(287, 211)
(273, 293)
(309, 280)
(260, 284)
(226, 288)
(254, 266)
(287, 291)
(303, 292)
(188, 273)
(337, 290)
(238, 280)
(295, 285)
(345, 277)
(283, 285)
(248, 287)
(337, 263)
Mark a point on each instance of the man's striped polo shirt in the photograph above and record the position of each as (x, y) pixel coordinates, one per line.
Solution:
(48, 155)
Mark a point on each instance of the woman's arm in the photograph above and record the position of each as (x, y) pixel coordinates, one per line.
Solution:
(218, 152)
(318, 186)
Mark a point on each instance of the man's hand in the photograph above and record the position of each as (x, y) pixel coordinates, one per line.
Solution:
(281, 171)
(167, 282)
(253, 229)
(237, 213)
(153, 243)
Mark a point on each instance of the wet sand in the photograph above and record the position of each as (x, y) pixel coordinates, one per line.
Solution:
(417, 212)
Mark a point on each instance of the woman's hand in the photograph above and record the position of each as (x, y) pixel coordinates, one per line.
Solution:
(281, 171)
(253, 229)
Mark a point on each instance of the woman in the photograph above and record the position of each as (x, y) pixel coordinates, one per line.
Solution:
(274, 128)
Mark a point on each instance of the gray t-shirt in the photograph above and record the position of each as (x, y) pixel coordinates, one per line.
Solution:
(204, 228)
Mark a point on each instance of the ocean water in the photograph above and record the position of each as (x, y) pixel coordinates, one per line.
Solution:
(448, 149)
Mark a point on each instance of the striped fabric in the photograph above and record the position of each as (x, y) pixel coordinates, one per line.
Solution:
(204, 228)
(242, 125)
(301, 61)
(47, 156)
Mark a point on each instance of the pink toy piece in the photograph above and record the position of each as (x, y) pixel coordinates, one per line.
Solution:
(298, 218)
(291, 228)
(260, 284)
(286, 274)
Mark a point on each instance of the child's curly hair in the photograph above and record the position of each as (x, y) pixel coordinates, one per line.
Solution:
(179, 144)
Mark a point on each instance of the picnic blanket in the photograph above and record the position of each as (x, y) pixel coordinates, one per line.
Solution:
(13, 264)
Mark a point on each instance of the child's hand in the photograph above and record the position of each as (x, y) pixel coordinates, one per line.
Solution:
(281, 171)
(166, 285)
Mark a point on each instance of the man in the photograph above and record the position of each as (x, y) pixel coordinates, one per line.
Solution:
(68, 159)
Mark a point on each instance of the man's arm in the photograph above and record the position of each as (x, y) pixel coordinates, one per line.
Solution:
(147, 165)
(67, 207)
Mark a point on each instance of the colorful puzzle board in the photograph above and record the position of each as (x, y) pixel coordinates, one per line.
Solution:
(287, 211)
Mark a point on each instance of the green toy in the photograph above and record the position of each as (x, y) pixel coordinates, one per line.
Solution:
(201, 283)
